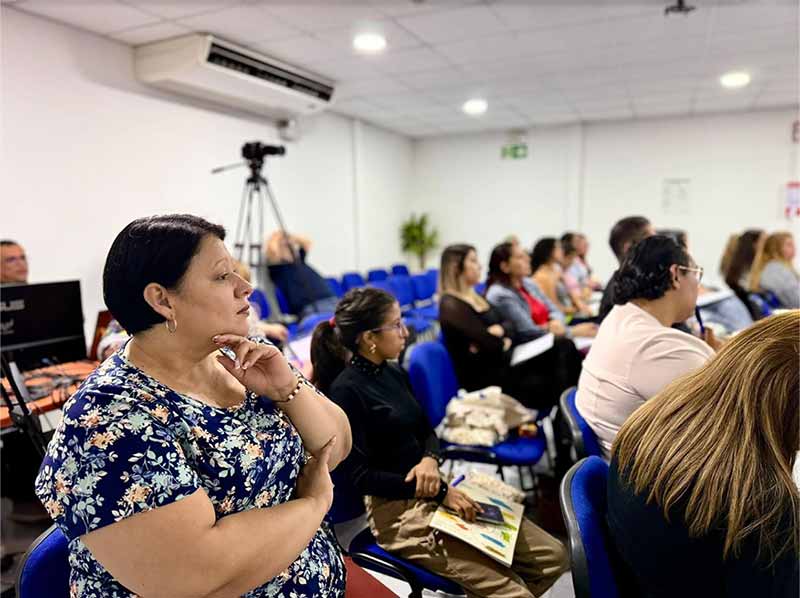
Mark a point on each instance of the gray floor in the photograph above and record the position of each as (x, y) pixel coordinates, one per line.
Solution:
(15, 538)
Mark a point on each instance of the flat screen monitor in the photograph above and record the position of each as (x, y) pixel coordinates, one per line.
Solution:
(42, 323)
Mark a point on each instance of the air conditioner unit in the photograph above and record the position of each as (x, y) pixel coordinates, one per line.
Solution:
(207, 67)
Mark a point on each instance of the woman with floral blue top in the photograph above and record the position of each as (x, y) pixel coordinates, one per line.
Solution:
(179, 471)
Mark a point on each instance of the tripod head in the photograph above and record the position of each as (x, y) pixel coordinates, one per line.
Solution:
(254, 153)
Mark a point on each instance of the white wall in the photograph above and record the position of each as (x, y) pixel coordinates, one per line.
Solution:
(587, 177)
(474, 196)
(738, 165)
(86, 149)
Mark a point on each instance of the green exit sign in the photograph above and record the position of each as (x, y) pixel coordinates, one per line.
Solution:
(514, 151)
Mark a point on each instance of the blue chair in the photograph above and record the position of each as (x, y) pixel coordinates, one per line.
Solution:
(584, 440)
(434, 382)
(44, 570)
(760, 304)
(377, 274)
(352, 280)
(424, 287)
(404, 291)
(260, 299)
(480, 288)
(400, 270)
(336, 286)
(421, 325)
(584, 507)
(307, 324)
(348, 505)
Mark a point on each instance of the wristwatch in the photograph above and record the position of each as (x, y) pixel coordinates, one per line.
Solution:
(440, 496)
(433, 455)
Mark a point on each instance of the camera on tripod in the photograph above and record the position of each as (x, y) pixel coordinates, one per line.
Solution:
(255, 150)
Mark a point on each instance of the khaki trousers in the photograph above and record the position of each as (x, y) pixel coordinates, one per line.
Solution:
(401, 527)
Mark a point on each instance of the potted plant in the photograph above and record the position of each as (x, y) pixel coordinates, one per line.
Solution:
(417, 238)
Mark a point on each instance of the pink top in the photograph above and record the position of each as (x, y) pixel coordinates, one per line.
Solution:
(632, 359)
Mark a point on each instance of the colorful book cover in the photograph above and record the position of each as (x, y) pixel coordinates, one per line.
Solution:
(494, 540)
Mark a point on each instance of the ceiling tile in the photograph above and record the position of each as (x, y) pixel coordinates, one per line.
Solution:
(408, 61)
(341, 38)
(170, 9)
(368, 87)
(437, 79)
(317, 16)
(451, 25)
(493, 48)
(745, 17)
(542, 16)
(663, 109)
(98, 16)
(149, 33)
(242, 24)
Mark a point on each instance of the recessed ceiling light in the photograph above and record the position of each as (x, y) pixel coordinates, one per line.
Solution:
(369, 43)
(475, 106)
(735, 79)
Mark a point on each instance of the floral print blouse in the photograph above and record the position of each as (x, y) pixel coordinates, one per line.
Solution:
(128, 444)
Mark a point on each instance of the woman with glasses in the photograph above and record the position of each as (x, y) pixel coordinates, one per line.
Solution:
(394, 461)
(636, 352)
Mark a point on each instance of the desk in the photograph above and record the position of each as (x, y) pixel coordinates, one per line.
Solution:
(79, 370)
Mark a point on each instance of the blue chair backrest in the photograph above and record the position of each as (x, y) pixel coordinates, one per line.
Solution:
(282, 301)
(308, 323)
(352, 280)
(377, 274)
(384, 286)
(761, 304)
(584, 506)
(424, 287)
(771, 299)
(260, 299)
(400, 270)
(403, 290)
(335, 285)
(44, 571)
(433, 378)
(583, 437)
(480, 288)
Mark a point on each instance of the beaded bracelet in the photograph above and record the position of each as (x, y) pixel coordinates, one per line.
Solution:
(294, 393)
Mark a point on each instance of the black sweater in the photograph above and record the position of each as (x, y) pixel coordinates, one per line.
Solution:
(478, 357)
(391, 433)
(662, 561)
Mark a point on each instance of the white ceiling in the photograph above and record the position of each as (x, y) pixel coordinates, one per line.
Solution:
(537, 63)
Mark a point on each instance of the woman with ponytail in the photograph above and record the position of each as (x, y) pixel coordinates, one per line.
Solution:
(636, 352)
(394, 461)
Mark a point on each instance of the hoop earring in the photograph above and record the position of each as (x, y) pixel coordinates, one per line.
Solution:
(372, 348)
(174, 328)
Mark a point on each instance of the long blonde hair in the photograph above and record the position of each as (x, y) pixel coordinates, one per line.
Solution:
(450, 270)
(724, 439)
(769, 250)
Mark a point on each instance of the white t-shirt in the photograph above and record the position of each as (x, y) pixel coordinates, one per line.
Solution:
(632, 359)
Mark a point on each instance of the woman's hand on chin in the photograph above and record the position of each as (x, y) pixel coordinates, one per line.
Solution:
(261, 369)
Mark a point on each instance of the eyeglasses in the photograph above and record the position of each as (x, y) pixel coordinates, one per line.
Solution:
(397, 326)
(698, 271)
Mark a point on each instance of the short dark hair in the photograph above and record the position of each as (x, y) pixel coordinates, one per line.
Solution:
(360, 310)
(679, 235)
(154, 249)
(627, 230)
(644, 273)
(542, 251)
(7, 242)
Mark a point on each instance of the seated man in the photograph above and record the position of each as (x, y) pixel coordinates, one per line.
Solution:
(13, 263)
(305, 290)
